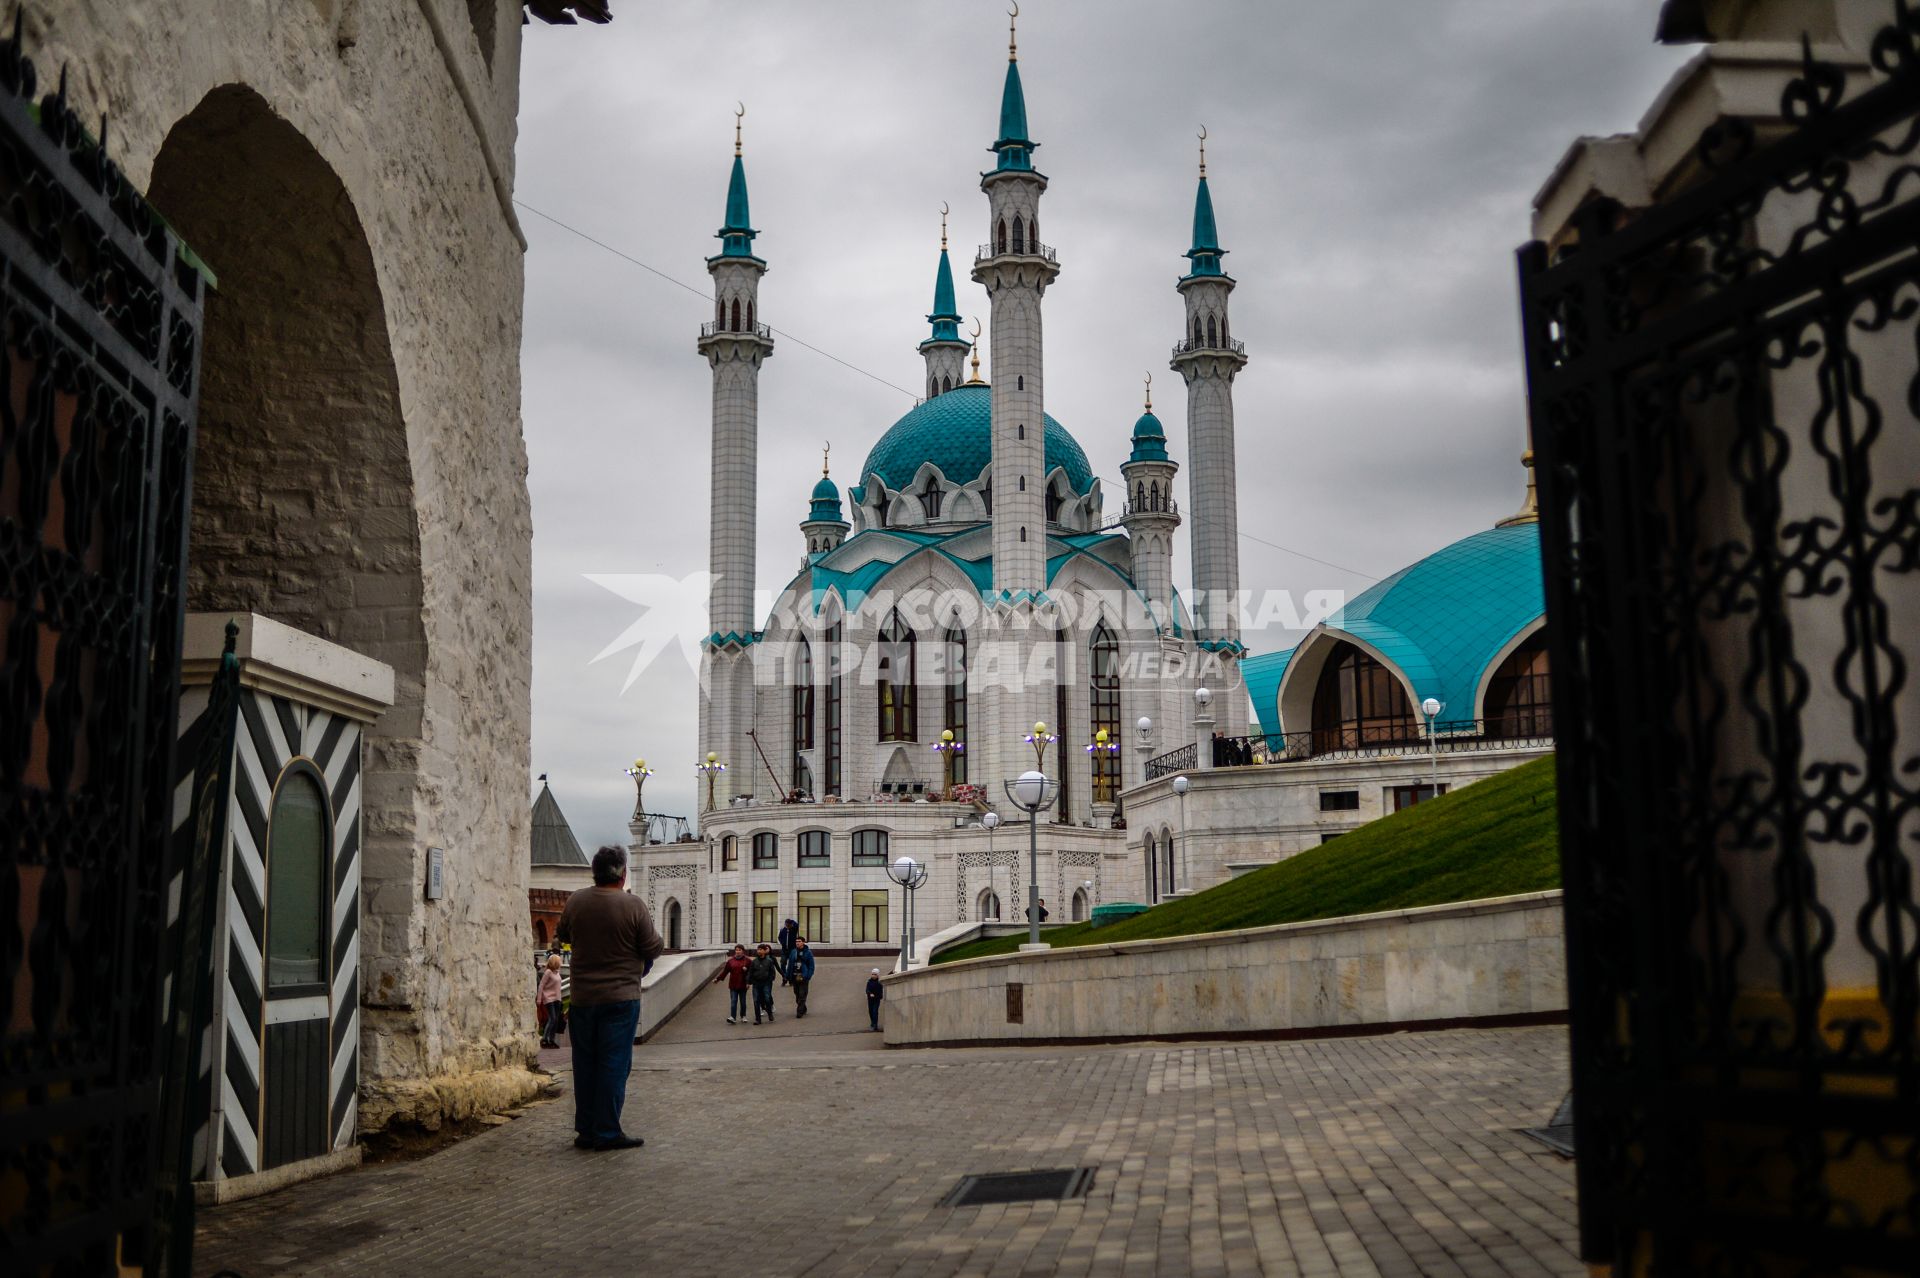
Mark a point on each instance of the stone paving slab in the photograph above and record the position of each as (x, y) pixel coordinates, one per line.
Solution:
(813, 1152)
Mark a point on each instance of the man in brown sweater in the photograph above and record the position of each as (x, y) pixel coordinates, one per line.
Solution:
(614, 943)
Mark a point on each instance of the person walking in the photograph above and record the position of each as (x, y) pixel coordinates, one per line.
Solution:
(799, 974)
(760, 974)
(614, 945)
(789, 931)
(734, 973)
(550, 997)
(875, 992)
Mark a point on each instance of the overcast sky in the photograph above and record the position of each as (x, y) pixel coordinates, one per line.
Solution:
(1372, 165)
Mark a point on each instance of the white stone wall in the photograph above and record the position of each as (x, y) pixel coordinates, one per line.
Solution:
(402, 105)
(1213, 503)
(1504, 957)
(946, 365)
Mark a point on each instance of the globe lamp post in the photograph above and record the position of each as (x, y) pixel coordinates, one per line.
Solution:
(1180, 787)
(1431, 707)
(909, 874)
(990, 822)
(1033, 791)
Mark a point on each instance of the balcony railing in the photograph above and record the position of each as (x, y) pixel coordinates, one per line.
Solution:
(1163, 506)
(1532, 730)
(712, 329)
(1233, 344)
(1026, 248)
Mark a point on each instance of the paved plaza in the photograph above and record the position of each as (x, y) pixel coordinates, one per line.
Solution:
(806, 1148)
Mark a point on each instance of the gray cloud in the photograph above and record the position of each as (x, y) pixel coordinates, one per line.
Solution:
(1372, 164)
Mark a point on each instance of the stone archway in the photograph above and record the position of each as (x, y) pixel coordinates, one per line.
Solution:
(303, 502)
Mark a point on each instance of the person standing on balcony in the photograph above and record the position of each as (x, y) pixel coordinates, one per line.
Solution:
(614, 945)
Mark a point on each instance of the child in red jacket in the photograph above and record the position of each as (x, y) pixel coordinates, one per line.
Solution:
(735, 975)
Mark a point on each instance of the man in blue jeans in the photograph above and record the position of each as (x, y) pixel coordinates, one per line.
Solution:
(614, 944)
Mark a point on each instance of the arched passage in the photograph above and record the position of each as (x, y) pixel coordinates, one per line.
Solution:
(303, 489)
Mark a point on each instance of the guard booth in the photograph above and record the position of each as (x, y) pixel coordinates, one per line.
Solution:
(279, 1069)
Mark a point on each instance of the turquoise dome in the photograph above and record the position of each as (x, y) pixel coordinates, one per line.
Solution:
(954, 431)
(1149, 439)
(1442, 621)
(826, 502)
(826, 490)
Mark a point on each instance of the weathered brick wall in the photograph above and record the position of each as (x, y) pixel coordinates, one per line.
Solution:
(363, 472)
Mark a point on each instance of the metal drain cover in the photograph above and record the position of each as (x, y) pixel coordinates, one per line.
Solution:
(1057, 1183)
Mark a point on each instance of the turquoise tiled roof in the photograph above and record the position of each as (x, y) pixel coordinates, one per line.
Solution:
(1149, 439)
(1206, 251)
(945, 318)
(826, 502)
(1442, 620)
(1014, 146)
(736, 237)
(954, 431)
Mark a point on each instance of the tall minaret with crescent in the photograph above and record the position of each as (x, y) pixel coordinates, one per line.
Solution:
(1209, 358)
(735, 344)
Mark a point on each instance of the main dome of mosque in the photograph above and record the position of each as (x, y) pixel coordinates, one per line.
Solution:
(954, 431)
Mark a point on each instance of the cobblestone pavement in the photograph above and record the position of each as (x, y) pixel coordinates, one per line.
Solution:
(803, 1148)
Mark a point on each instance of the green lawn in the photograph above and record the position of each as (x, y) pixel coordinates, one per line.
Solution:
(1495, 837)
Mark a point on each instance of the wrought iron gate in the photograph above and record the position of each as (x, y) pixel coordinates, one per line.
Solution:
(1725, 399)
(102, 332)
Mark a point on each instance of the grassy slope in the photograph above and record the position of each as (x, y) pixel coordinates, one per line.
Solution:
(1493, 838)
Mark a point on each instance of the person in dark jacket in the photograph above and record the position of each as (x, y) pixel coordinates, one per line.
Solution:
(734, 973)
(799, 974)
(1041, 908)
(760, 974)
(788, 932)
(614, 943)
(875, 992)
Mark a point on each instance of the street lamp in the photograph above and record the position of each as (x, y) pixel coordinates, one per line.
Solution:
(1431, 707)
(948, 747)
(1102, 783)
(639, 772)
(710, 769)
(909, 874)
(1040, 739)
(1180, 787)
(991, 822)
(1033, 791)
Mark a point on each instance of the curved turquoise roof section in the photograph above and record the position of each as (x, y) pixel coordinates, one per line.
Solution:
(1443, 620)
(946, 315)
(826, 502)
(1013, 144)
(954, 431)
(1149, 440)
(736, 237)
(1206, 251)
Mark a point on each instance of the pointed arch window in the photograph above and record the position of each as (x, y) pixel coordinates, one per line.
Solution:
(802, 705)
(1139, 495)
(749, 315)
(946, 384)
(1153, 496)
(1000, 237)
(933, 388)
(1019, 235)
(1359, 702)
(894, 684)
(1054, 502)
(1520, 695)
(1211, 339)
(719, 312)
(955, 661)
(1196, 330)
(1103, 701)
(930, 497)
(736, 314)
(836, 708)
(1033, 232)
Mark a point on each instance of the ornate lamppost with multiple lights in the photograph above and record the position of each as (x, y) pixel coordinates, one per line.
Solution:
(948, 748)
(1034, 791)
(1102, 781)
(639, 772)
(710, 769)
(909, 874)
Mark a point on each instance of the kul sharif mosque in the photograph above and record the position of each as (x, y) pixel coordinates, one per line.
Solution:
(968, 610)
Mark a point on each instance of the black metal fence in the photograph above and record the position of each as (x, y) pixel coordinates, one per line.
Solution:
(1724, 394)
(1530, 731)
(102, 328)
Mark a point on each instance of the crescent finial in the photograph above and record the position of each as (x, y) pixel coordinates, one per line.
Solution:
(1013, 44)
(1149, 392)
(1203, 150)
(739, 114)
(824, 454)
(943, 226)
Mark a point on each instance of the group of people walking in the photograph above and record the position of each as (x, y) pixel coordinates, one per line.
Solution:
(753, 972)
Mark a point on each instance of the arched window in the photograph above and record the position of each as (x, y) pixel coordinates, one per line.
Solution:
(802, 709)
(297, 900)
(1020, 430)
(1023, 532)
(1153, 869)
(869, 847)
(933, 388)
(1033, 232)
(719, 312)
(1211, 339)
(930, 498)
(1359, 702)
(1139, 495)
(989, 905)
(736, 314)
(1000, 237)
(1153, 496)
(894, 682)
(1196, 330)
(750, 315)
(673, 925)
(1103, 700)
(836, 708)
(1054, 502)
(946, 383)
(1023, 483)
(766, 851)
(986, 497)
(1520, 694)
(954, 659)
(540, 933)
(1019, 235)
(1079, 905)
(1167, 883)
(1225, 340)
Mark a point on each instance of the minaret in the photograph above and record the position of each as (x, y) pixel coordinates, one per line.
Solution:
(1151, 516)
(823, 527)
(1016, 269)
(735, 343)
(945, 350)
(1208, 358)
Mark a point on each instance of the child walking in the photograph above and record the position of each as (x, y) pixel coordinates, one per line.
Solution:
(734, 973)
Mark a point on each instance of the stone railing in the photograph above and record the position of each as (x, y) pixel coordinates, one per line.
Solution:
(1027, 248)
(1494, 961)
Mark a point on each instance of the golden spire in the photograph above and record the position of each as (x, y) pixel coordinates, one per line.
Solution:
(1149, 392)
(739, 114)
(824, 454)
(1203, 150)
(1013, 44)
(943, 226)
(975, 379)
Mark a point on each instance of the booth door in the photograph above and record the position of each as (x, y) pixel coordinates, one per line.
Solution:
(294, 1096)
